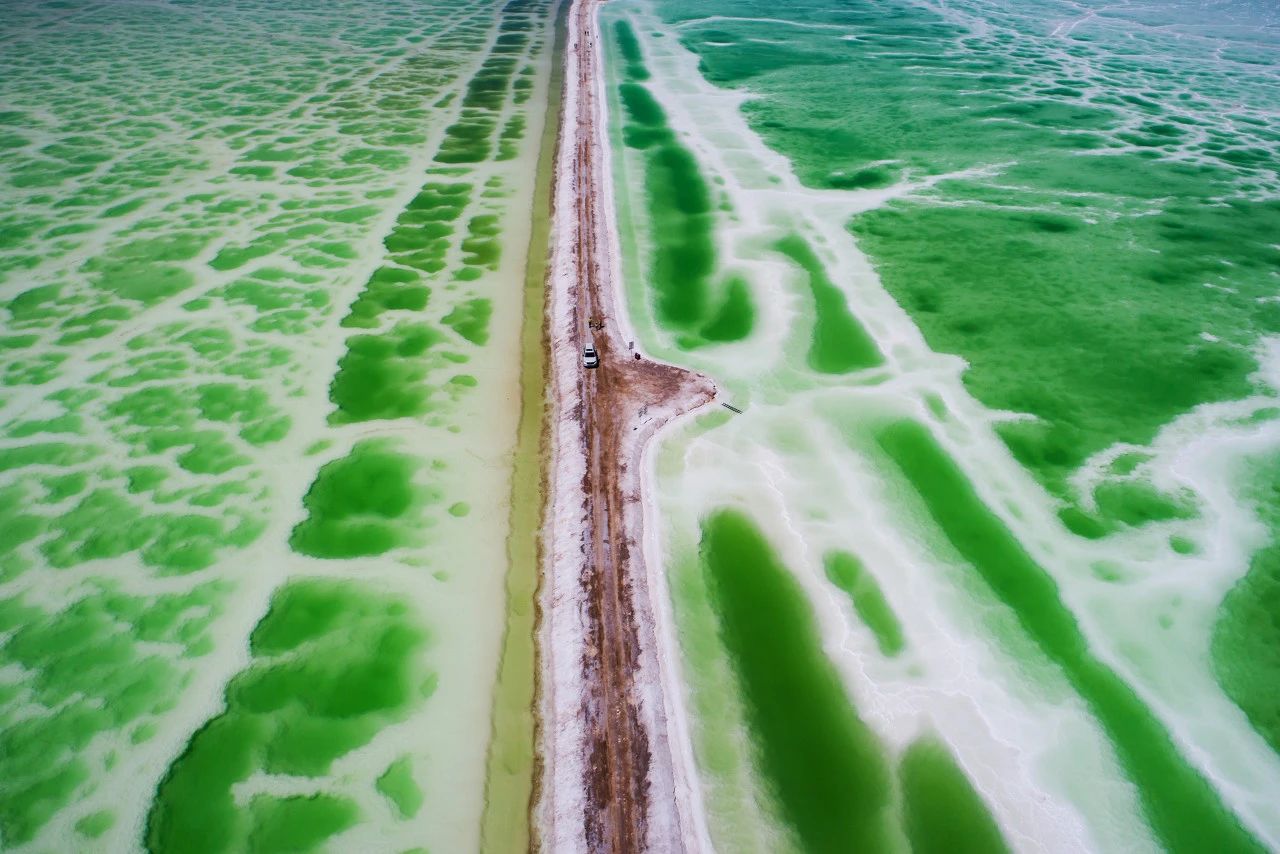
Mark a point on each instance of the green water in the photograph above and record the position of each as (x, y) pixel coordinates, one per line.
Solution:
(398, 786)
(1100, 359)
(363, 504)
(680, 219)
(331, 665)
(90, 665)
(257, 316)
(742, 814)
(1246, 638)
(1184, 810)
(1133, 210)
(839, 344)
(943, 814)
(848, 573)
(1015, 280)
(826, 769)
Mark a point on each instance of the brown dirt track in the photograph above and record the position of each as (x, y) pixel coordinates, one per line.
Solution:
(623, 402)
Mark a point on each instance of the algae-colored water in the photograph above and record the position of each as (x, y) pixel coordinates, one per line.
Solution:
(261, 295)
(827, 769)
(848, 573)
(330, 667)
(1006, 404)
(942, 811)
(825, 766)
(1182, 807)
(680, 218)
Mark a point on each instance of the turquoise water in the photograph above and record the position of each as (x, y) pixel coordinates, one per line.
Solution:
(260, 305)
(1009, 395)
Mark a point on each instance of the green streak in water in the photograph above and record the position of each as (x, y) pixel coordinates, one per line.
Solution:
(942, 812)
(823, 763)
(388, 289)
(738, 820)
(681, 219)
(840, 344)
(1183, 809)
(737, 315)
(629, 48)
(847, 572)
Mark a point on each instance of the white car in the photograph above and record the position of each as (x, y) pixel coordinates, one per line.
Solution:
(590, 358)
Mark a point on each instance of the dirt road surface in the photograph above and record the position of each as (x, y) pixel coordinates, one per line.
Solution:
(618, 407)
